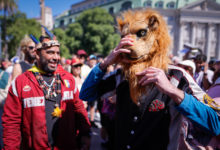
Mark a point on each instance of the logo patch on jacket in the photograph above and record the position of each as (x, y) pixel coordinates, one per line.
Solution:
(33, 102)
(67, 95)
(67, 83)
(26, 88)
(156, 105)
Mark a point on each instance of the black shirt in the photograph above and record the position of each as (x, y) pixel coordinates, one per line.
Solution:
(25, 66)
(52, 122)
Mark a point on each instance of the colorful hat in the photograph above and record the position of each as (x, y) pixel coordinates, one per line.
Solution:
(81, 52)
(45, 41)
(189, 63)
(68, 61)
(75, 61)
(92, 57)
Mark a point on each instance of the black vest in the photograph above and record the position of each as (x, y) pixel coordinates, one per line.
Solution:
(137, 127)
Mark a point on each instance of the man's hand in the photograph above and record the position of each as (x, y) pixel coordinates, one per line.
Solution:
(159, 78)
(114, 56)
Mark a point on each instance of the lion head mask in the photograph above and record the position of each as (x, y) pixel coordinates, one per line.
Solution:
(151, 45)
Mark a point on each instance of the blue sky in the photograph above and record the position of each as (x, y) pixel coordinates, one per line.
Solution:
(32, 7)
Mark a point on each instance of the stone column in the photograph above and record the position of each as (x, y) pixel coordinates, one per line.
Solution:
(180, 46)
(193, 33)
(208, 41)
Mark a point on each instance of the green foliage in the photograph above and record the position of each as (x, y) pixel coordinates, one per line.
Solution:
(74, 33)
(62, 38)
(17, 27)
(92, 31)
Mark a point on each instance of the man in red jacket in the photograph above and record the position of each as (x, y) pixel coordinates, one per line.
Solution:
(43, 109)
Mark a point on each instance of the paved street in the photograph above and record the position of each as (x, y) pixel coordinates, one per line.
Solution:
(96, 139)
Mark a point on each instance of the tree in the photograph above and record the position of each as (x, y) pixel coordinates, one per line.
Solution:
(17, 27)
(74, 33)
(93, 31)
(8, 7)
(62, 38)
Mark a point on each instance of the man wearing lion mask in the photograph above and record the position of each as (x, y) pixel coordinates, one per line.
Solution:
(152, 96)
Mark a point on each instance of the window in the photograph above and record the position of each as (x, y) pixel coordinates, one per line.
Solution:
(126, 6)
(171, 5)
(159, 4)
(61, 23)
(111, 10)
(148, 3)
(70, 20)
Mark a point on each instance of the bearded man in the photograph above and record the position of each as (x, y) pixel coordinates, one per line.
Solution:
(29, 51)
(43, 109)
(152, 96)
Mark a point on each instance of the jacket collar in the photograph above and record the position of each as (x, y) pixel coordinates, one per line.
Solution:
(31, 76)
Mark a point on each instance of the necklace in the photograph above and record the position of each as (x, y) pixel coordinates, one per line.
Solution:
(49, 87)
(50, 91)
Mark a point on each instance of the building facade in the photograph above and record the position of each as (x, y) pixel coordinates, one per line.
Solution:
(48, 18)
(194, 22)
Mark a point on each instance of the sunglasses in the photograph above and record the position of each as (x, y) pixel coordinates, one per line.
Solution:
(76, 66)
(31, 47)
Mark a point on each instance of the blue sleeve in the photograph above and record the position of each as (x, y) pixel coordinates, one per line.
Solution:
(200, 114)
(88, 91)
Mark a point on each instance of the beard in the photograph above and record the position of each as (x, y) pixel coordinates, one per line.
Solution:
(44, 63)
(30, 56)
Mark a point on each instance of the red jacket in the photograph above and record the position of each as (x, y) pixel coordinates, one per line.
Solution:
(24, 115)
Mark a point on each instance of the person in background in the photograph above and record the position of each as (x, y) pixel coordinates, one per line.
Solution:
(212, 64)
(76, 71)
(100, 58)
(85, 69)
(203, 75)
(189, 66)
(28, 48)
(7, 66)
(197, 137)
(63, 62)
(214, 93)
(214, 90)
(107, 108)
(68, 65)
(92, 61)
(92, 105)
(43, 109)
(4, 85)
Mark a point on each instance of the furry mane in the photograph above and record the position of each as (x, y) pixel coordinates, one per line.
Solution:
(153, 48)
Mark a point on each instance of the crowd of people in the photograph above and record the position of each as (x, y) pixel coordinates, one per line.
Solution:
(50, 102)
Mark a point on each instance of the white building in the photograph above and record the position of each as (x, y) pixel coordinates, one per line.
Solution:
(48, 18)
